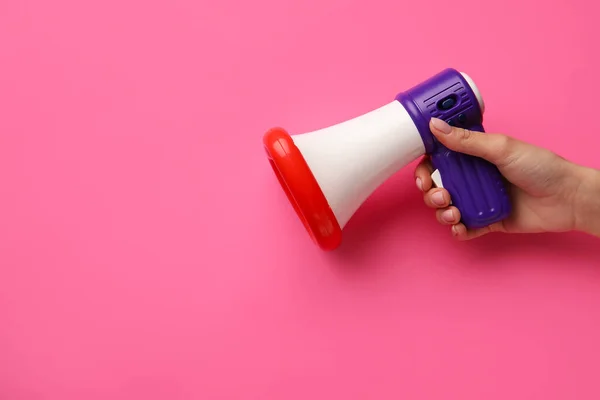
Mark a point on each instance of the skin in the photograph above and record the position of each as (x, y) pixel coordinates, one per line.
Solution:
(549, 193)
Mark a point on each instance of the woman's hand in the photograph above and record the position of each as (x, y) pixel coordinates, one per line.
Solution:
(549, 193)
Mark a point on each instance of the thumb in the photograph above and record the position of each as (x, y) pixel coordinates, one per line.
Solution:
(489, 146)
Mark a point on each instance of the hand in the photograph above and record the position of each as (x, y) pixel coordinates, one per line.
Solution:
(549, 193)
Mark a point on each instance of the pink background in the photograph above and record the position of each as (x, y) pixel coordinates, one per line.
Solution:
(146, 250)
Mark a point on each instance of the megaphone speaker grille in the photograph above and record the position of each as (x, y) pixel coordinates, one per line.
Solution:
(302, 189)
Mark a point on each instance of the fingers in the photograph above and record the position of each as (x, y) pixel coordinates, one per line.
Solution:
(440, 199)
(461, 232)
(437, 198)
(423, 175)
(494, 148)
(448, 216)
(433, 197)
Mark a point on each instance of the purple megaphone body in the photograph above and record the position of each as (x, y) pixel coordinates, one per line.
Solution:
(329, 172)
(476, 186)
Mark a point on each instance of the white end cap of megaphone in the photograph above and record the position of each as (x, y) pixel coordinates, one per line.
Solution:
(476, 91)
(328, 173)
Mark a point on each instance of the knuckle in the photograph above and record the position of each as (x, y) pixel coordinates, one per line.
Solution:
(504, 147)
(465, 134)
(503, 143)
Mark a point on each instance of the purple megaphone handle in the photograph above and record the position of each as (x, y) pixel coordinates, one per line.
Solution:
(476, 186)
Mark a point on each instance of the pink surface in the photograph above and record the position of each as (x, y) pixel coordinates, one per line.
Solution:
(146, 250)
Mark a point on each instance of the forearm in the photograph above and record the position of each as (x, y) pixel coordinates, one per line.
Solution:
(587, 202)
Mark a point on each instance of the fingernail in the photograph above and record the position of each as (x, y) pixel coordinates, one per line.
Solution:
(438, 198)
(454, 230)
(448, 216)
(441, 125)
(420, 184)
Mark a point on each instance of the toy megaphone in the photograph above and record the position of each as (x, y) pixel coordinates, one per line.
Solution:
(328, 173)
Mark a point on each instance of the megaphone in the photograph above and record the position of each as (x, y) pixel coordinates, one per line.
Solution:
(328, 173)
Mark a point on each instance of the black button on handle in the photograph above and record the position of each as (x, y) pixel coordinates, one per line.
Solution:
(447, 103)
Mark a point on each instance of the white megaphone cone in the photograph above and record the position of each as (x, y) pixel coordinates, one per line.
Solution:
(328, 173)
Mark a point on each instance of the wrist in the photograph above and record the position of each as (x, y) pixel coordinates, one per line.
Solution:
(587, 201)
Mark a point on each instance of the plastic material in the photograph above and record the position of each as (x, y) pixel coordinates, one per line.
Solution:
(476, 186)
(302, 189)
(351, 159)
(328, 173)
